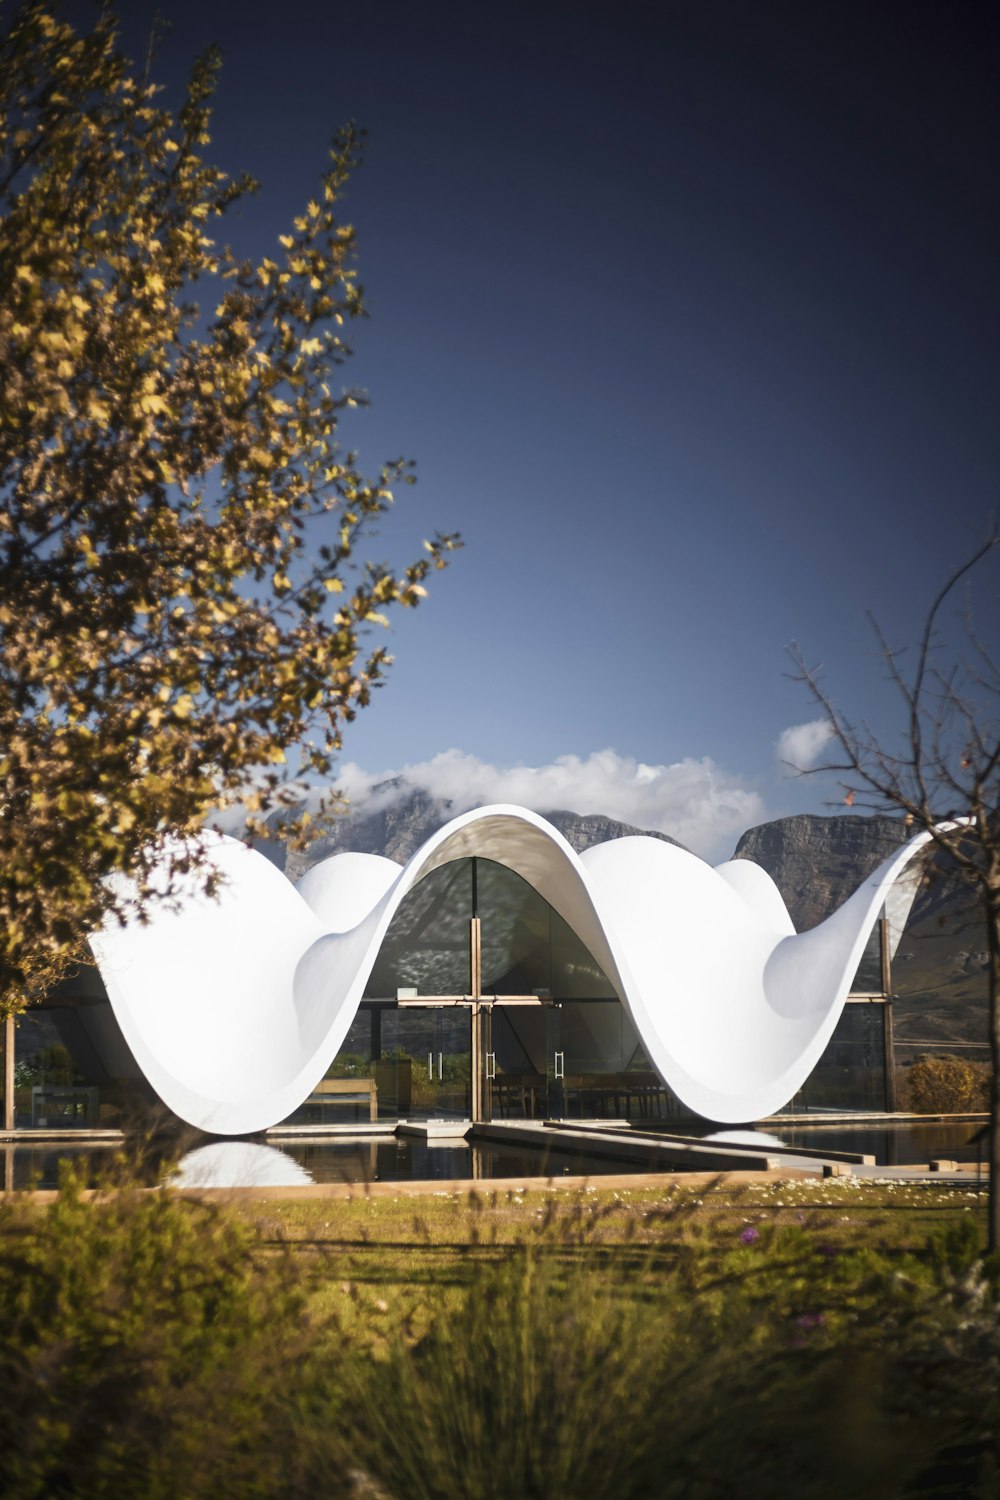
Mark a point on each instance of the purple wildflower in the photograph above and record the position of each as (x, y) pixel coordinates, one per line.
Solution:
(749, 1236)
(810, 1320)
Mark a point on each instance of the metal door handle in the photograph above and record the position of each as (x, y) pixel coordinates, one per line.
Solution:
(440, 1066)
(560, 1062)
(491, 1065)
(430, 1065)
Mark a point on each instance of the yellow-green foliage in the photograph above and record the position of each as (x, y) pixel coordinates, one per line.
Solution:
(181, 601)
(145, 1350)
(948, 1085)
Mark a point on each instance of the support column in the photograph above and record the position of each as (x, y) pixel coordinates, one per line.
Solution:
(481, 1092)
(885, 955)
(890, 1056)
(8, 1073)
(476, 1064)
(887, 1028)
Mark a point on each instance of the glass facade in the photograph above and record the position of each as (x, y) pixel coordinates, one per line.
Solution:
(851, 1074)
(73, 1068)
(868, 979)
(526, 945)
(575, 1052)
(576, 1055)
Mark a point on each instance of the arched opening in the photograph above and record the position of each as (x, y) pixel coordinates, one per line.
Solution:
(484, 1003)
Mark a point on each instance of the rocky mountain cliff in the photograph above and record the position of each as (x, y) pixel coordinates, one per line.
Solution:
(408, 816)
(817, 862)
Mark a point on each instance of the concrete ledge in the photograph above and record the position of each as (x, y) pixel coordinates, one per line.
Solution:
(835, 1117)
(65, 1137)
(857, 1158)
(436, 1130)
(617, 1146)
(330, 1132)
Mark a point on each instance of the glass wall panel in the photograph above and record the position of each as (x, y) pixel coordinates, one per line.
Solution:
(427, 945)
(578, 1059)
(524, 1048)
(868, 979)
(851, 1073)
(527, 947)
(430, 1051)
(516, 932)
(396, 1063)
(605, 1071)
(576, 974)
(74, 1069)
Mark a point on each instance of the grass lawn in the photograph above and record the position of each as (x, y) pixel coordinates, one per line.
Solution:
(411, 1258)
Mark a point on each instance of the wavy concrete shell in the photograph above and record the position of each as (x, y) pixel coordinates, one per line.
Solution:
(234, 1007)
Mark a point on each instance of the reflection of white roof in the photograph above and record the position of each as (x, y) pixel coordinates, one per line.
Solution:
(235, 1006)
(242, 1164)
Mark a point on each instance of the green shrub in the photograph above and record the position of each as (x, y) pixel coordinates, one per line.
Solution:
(948, 1085)
(146, 1350)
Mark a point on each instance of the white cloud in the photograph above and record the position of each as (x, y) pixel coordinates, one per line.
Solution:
(799, 747)
(695, 801)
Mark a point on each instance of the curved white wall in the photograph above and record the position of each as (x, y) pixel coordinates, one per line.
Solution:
(234, 1007)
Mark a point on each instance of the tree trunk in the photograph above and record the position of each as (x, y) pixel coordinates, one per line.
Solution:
(993, 943)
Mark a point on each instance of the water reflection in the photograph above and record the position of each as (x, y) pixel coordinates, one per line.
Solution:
(891, 1146)
(745, 1138)
(410, 1159)
(226, 1164)
(388, 1158)
(904, 1145)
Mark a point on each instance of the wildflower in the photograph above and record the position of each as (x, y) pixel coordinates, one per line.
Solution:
(749, 1236)
(810, 1320)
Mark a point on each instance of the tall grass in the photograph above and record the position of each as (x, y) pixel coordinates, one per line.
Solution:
(150, 1345)
(543, 1384)
(765, 1367)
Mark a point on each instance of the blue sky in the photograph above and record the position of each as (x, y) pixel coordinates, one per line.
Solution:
(688, 314)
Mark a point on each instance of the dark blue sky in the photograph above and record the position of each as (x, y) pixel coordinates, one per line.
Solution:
(687, 312)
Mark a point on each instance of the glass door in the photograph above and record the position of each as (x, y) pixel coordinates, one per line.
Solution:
(555, 1063)
(452, 1057)
(432, 1059)
(598, 1070)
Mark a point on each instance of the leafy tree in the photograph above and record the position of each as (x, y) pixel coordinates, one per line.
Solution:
(180, 599)
(944, 777)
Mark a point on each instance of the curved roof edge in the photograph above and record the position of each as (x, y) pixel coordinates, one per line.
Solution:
(234, 1007)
